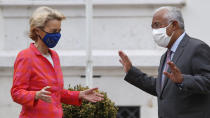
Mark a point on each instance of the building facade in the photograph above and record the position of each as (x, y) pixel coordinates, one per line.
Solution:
(117, 25)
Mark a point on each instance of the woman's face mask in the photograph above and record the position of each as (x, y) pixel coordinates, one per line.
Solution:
(160, 36)
(51, 39)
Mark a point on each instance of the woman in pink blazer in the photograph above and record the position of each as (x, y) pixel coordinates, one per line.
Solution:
(38, 79)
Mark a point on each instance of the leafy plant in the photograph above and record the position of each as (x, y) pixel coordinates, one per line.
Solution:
(103, 109)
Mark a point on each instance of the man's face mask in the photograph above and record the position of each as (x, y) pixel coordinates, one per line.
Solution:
(160, 36)
(51, 39)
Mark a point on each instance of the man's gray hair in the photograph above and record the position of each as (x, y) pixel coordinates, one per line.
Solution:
(173, 14)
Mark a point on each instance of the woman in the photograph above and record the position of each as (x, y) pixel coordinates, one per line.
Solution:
(38, 79)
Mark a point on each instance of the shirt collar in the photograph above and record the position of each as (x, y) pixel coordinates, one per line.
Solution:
(36, 51)
(177, 42)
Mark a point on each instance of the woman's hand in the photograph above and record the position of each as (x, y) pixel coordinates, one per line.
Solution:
(43, 95)
(90, 95)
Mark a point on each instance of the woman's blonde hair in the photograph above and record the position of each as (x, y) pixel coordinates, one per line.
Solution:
(40, 17)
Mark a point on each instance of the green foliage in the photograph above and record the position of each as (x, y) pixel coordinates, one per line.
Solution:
(103, 109)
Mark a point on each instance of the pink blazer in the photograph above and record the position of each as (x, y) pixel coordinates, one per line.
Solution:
(32, 72)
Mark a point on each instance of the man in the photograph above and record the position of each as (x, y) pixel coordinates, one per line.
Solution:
(183, 83)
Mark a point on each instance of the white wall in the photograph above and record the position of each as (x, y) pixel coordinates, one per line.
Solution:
(196, 14)
(119, 24)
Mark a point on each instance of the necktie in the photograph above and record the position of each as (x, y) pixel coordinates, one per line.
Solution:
(168, 58)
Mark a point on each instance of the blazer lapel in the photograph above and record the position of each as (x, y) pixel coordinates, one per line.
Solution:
(180, 49)
(163, 57)
(175, 58)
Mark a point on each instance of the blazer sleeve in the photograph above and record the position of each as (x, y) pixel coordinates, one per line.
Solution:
(21, 80)
(70, 97)
(199, 82)
(141, 80)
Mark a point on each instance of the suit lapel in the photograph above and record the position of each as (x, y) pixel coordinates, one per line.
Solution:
(180, 49)
(160, 72)
(177, 55)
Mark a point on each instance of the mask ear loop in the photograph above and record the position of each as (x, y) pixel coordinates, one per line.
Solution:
(40, 37)
(171, 22)
(44, 32)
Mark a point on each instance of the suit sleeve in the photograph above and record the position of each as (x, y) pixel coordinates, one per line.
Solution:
(141, 80)
(21, 82)
(70, 97)
(199, 82)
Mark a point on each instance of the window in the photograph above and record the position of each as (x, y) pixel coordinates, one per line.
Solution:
(128, 112)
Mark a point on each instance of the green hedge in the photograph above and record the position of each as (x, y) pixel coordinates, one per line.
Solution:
(103, 109)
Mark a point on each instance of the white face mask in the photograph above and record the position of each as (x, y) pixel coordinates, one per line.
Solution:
(160, 36)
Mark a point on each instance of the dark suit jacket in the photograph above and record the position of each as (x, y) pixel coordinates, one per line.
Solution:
(192, 57)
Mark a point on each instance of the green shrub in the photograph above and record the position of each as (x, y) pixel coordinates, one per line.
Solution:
(102, 109)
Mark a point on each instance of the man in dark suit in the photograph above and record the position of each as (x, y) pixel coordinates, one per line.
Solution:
(183, 83)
